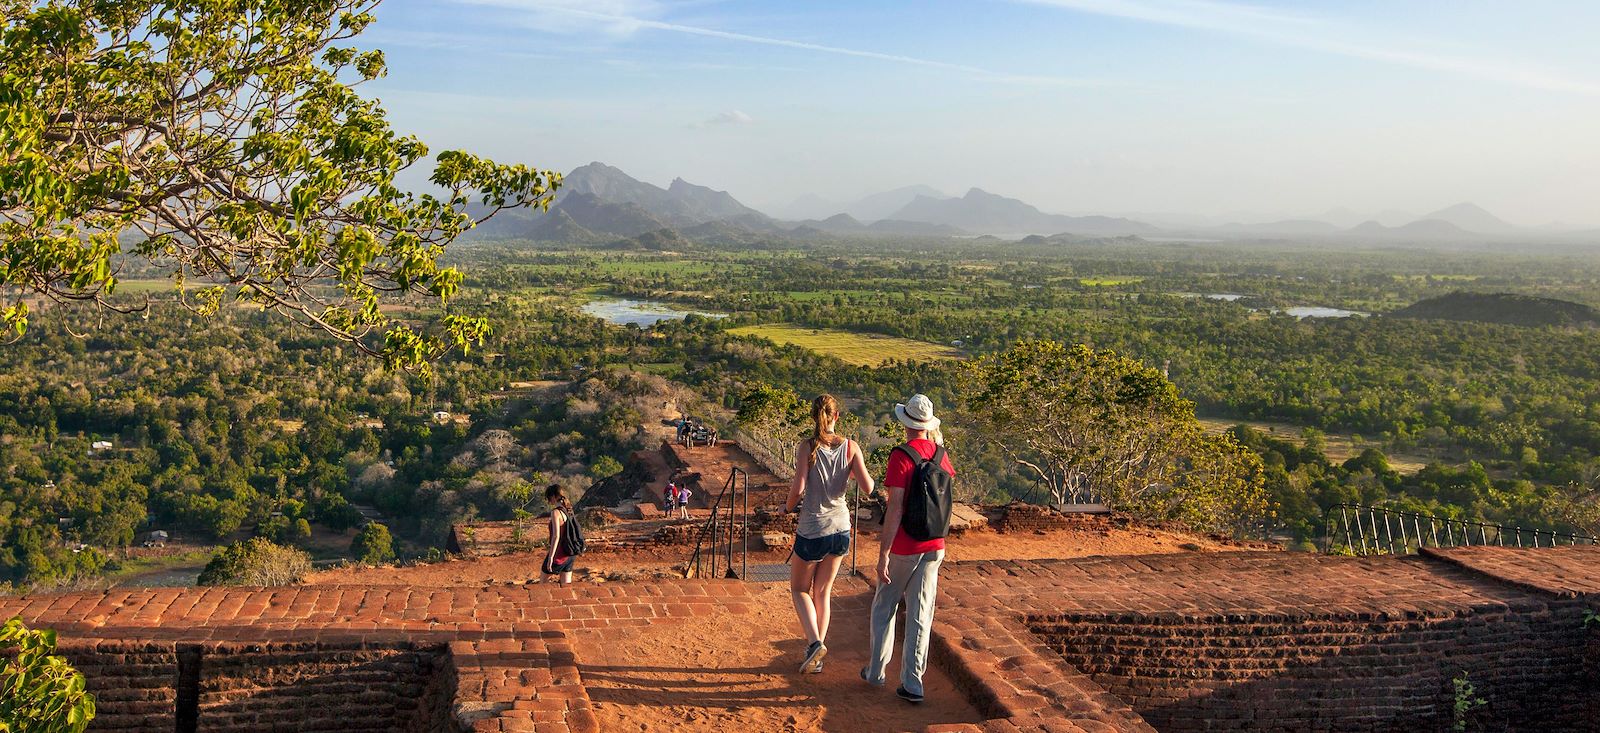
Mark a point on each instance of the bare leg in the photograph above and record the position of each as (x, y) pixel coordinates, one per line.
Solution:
(802, 575)
(822, 591)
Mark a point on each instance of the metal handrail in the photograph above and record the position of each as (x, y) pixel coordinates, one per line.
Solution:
(1359, 525)
(738, 482)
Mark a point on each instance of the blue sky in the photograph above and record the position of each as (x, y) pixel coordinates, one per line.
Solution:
(1215, 109)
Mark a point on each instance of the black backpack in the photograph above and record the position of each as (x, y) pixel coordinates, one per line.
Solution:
(572, 536)
(928, 502)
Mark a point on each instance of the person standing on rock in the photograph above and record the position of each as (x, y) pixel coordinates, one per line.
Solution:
(822, 465)
(558, 560)
(918, 478)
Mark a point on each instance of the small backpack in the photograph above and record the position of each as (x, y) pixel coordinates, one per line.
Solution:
(572, 536)
(928, 496)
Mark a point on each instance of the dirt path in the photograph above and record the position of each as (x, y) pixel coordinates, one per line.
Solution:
(737, 672)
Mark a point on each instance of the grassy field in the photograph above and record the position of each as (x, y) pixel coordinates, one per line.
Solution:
(861, 349)
(1108, 281)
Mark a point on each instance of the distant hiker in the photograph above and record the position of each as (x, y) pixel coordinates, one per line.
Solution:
(822, 465)
(669, 499)
(918, 478)
(566, 538)
(683, 501)
(682, 426)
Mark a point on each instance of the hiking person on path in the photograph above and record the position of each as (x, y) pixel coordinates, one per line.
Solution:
(683, 500)
(669, 498)
(822, 465)
(918, 478)
(559, 559)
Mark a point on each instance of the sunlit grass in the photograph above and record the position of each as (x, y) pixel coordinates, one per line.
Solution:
(861, 349)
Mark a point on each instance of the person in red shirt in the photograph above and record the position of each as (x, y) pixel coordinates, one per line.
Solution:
(908, 569)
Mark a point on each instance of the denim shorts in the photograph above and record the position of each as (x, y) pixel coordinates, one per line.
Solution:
(813, 550)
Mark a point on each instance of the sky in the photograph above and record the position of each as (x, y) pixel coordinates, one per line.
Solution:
(1178, 109)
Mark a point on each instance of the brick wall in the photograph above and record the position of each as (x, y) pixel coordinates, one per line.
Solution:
(134, 682)
(165, 686)
(253, 688)
(1367, 671)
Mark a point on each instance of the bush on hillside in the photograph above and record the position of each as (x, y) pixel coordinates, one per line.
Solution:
(256, 561)
(373, 545)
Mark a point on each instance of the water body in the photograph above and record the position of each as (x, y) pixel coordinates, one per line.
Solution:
(1317, 311)
(641, 313)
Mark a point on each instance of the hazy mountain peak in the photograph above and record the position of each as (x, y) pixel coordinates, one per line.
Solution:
(1471, 217)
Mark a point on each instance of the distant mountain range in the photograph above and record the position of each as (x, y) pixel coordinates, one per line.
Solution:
(598, 203)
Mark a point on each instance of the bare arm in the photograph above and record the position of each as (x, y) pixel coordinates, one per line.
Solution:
(555, 536)
(858, 468)
(802, 466)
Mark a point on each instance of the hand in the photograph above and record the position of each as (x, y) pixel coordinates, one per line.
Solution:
(883, 570)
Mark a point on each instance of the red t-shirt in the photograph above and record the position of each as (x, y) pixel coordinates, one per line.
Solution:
(898, 476)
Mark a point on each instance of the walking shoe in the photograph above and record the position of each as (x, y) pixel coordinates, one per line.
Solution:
(868, 680)
(908, 696)
(814, 655)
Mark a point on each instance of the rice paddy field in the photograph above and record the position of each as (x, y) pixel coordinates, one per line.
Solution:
(861, 349)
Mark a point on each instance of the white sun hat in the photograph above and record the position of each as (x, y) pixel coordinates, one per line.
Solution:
(917, 413)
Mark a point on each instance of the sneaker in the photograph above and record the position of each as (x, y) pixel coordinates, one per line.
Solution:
(868, 680)
(908, 696)
(814, 655)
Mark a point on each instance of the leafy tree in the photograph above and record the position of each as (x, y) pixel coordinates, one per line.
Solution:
(256, 561)
(39, 691)
(373, 545)
(605, 467)
(1089, 422)
(336, 513)
(225, 144)
(772, 416)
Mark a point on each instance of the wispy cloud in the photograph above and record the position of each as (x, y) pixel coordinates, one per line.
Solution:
(731, 117)
(1316, 34)
(540, 12)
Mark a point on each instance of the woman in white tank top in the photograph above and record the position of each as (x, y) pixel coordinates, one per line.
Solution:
(823, 465)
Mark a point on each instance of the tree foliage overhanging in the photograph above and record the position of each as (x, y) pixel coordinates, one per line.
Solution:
(225, 145)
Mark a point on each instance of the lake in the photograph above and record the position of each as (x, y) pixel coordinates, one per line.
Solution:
(641, 313)
(1317, 311)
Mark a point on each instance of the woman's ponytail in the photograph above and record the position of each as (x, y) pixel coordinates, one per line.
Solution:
(824, 413)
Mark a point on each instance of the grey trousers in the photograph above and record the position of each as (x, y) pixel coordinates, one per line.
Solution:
(914, 578)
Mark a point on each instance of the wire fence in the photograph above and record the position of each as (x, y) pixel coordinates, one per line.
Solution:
(1358, 529)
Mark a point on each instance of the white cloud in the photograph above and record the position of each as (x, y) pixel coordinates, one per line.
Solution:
(539, 13)
(731, 117)
(1316, 34)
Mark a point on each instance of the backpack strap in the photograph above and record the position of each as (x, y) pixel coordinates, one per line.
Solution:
(938, 457)
(916, 458)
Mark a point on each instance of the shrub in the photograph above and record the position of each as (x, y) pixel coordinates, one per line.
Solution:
(42, 693)
(373, 545)
(256, 561)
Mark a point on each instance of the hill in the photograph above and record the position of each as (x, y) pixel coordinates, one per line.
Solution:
(982, 212)
(1507, 308)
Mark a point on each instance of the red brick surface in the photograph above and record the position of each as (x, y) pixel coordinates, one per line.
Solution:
(331, 658)
(1202, 641)
(1265, 641)
(1564, 572)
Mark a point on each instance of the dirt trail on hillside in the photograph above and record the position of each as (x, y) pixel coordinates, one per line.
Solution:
(737, 672)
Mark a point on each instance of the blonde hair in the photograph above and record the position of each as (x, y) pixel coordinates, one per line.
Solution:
(824, 413)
